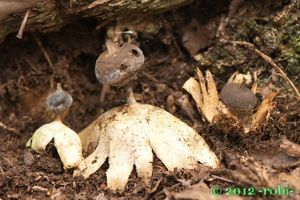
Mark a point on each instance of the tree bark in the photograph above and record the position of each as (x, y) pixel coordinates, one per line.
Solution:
(51, 15)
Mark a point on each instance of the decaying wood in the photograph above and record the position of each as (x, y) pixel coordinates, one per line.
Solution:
(13, 6)
(50, 15)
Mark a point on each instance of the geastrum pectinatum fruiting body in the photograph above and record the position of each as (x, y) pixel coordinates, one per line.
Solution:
(236, 101)
(238, 97)
(66, 141)
(118, 66)
(128, 134)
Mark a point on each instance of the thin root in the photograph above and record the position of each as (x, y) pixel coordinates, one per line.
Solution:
(45, 53)
(10, 129)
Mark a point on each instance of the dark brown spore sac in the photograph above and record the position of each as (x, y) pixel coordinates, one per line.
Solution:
(238, 97)
(118, 65)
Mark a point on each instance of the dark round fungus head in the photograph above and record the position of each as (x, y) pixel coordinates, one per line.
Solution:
(118, 65)
(237, 96)
(59, 101)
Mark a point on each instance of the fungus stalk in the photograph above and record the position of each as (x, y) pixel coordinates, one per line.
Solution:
(129, 94)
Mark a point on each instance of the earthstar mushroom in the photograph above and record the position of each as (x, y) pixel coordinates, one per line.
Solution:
(237, 100)
(127, 134)
(66, 141)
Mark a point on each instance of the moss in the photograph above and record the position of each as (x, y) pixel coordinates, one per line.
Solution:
(295, 40)
(276, 34)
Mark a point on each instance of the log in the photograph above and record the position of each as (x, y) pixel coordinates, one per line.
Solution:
(51, 15)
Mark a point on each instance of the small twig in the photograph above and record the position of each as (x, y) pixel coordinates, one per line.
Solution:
(166, 190)
(5, 127)
(267, 59)
(97, 3)
(46, 55)
(282, 167)
(154, 189)
(35, 70)
(8, 161)
(22, 27)
(1, 170)
(150, 77)
(222, 178)
(39, 188)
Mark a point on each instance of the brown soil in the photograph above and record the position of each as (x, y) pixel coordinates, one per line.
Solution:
(27, 77)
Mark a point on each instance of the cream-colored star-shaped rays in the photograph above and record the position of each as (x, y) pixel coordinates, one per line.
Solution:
(127, 135)
(66, 141)
(205, 95)
(235, 103)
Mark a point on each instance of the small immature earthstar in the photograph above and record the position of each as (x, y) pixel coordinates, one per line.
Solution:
(237, 101)
(240, 100)
(238, 97)
(128, 134)
(66, 141)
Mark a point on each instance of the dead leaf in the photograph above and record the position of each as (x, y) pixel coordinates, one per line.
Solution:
(263, 110)
(197, 36)
(205, 95)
